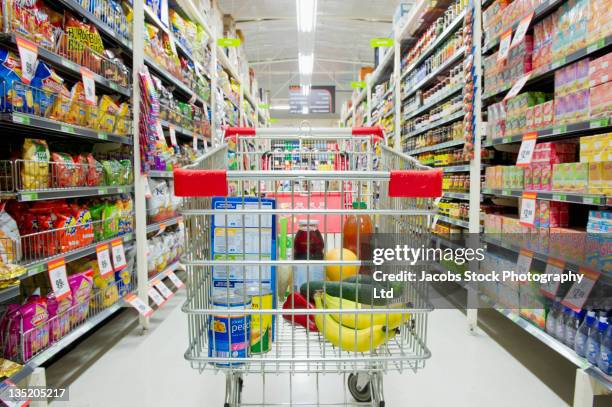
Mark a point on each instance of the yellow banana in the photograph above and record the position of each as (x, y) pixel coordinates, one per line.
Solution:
(360, 340)
(361, 321)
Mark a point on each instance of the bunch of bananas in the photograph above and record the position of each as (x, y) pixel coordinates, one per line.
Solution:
(355, 332)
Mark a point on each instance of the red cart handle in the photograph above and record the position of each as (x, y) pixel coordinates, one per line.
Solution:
(239, 131)
(376, 132)
(200, 183)
(415, 184)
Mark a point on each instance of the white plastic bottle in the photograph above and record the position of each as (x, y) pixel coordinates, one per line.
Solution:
(582, 336)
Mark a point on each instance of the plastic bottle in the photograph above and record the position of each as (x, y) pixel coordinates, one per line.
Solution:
(308, 244)
(357, 232)
(571, 328)
(561, 321)
(605, 354)
(594, 342)
(582, 336)
(551, 318)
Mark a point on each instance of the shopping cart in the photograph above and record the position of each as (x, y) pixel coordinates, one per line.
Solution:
(283, 182)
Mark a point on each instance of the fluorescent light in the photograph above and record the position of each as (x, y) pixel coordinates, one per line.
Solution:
(306, 11)
(305, 63)
(279, 107)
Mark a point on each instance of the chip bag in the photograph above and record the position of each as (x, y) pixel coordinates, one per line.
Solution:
(81, 170)
(110, 221)
(64, 172)
(10, 240)
(14, 95)
(108, 111)
(59, 316)
(80, 287)
(35, 170)
(112, 172)
(95, 171)
(47, 88)
(123, 123)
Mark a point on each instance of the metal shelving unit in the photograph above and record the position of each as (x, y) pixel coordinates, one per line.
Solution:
(558, 196)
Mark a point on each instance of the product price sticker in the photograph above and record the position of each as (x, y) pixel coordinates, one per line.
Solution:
(104, 260)
(521, 30)
(172, 131)
(504, 45)
(523, 264)
(163, 289)
(528, 209)
(156, 297)
(580, 290)
(175, 280)
(518, 85)
(556, 267)
(58, 278)
(525, 154)
(28, 53)
(142, 308)
(89, 86)
(118, 252)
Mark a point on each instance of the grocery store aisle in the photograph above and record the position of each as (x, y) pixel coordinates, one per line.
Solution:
(150, 371)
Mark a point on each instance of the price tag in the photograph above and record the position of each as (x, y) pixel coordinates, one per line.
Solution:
(523, 264)
(504, 45)
(434, 222)
(528, 209)
(104, 261)
(579, 291)
(518, 85)
(89, 86)
(172, 131)
(156, 297)
(58, 278)
(28, 53)
(163, 289)
(139, 304)
(175, 280)
(118, 252)
(553, 266)
(521, 30)
(162, 228)
(526, 151)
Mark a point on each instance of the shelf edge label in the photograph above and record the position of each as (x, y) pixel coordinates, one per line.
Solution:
(28, 53)
(58, 278)
(229, 42)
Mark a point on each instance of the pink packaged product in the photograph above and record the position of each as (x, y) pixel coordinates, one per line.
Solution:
(528, 178)
(548, 113)
(561, 109)
(10, 342)
(545, 177)
(32, 317)
(80, 286)
(59, 316)
(537, 117)
(582, 74)
(600, 70)
(601, 100)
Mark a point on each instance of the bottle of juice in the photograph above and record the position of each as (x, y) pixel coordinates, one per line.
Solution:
(357, 233)
(308, 244)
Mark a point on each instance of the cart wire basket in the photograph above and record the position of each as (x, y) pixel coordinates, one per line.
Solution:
(279, 226)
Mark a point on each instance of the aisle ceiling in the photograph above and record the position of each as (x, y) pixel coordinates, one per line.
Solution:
(342, 40)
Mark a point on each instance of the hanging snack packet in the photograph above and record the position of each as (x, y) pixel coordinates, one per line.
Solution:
(59, 316)
(110, 221)
(34, 317)
(81, 169)
(47, 87)
(14, 95)
(85, 233)
(127, 175)
(35, 170)
(64, 172)
(78, 112)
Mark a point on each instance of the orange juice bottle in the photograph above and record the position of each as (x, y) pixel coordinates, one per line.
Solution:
(357, 233)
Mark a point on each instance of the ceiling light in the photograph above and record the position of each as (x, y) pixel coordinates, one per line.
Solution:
(305, 63)
(279, 107)
(306, 11)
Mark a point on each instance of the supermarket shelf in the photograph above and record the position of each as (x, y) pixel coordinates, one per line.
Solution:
(57, 128)
(104, 29)
(9, 293)
(433, 103)
(540, 12)
(453, 221)
(172, 80)
(448, 119)
(27, 196)
(552, 343)
(161, 174)
(164, 273)
(441, 38)
(65, 65)
(443, 241)
(433, 75)
(41, 265)
(382, 67)
(558, 196)
(548, 70)
(603, 125)
(446, 144)
(457, 195)
(154, 227)
(460, 168)
(178, 129)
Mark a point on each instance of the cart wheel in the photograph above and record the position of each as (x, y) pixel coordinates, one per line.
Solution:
(362, 395)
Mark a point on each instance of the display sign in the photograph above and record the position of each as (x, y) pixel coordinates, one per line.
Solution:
(528, 209)
(104, 261)
(175, 280)
(156, 297)
(28, 53)
(58, 278)
(118, 253)
(527, 148)
(139, 304)
(320, 99)
(553, 266)
(579, 291)
(89, 86)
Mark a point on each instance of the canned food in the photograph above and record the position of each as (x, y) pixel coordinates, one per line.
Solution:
(229, 335)
(261, 324)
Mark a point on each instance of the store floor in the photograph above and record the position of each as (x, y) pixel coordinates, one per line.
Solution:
(118, 367)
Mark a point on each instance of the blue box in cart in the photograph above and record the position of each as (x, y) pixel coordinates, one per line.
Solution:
(243, 237)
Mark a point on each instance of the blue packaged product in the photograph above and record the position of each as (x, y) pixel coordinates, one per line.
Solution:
(229, 335)
(46, 89)
(14, 95)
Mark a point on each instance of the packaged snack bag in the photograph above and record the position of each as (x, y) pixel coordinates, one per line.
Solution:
(35, 171)
(158, 203)
(80, 287)
(112, 172)
(126, 175)
(123, 124)
(34, 317)
(61, 105)
(10, 241)
(125, 220)
(110, 224)
(9, 342)
(59, 316)
(14, 95)
(95, 171)
(85, 233)
(64, 172)
(81, 170)
(79, 111)
(108, 292)
(108, 112)
(47, 87)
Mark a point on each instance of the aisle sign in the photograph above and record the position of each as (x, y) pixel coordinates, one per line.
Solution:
(525, 154)
(228, 42)
(58, 278)
(523, 264)
(172, 132)
(89, 86)
(163, 289)
(156, 297)
(139, 304)
(553, 266)
(104, 261)
(175, 280)
(528, 209)
(518, 85)
(119, 261)
(521, 30)
(504, 45)
(28, 53)
(579, 291)
(381, 42)
(358, 84)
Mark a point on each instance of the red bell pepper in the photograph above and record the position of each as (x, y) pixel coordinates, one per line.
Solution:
(298, 301)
